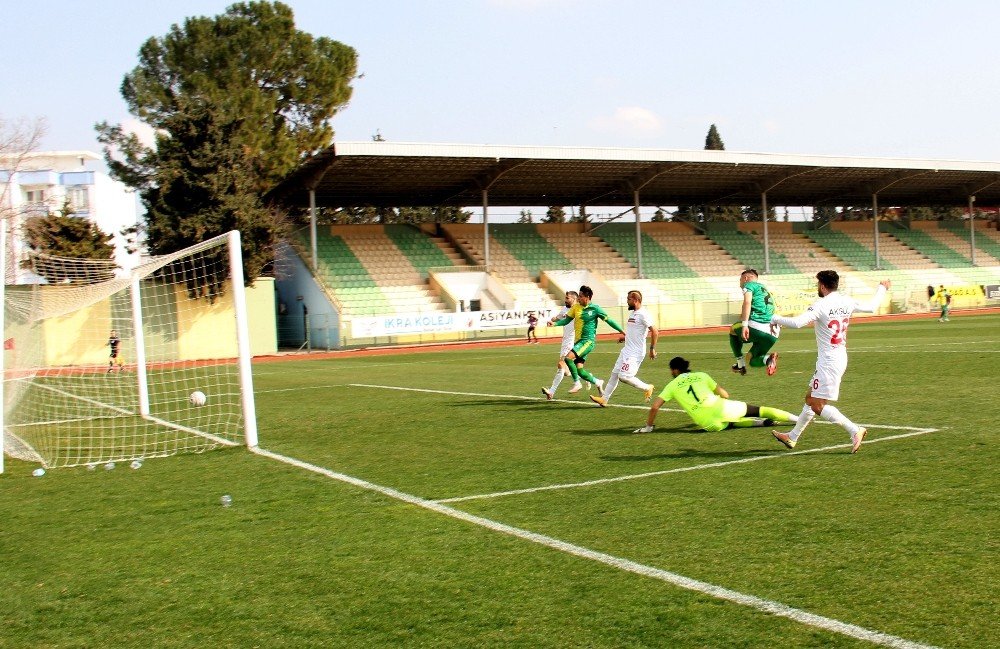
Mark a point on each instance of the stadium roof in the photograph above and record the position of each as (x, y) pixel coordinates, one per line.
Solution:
(391, 174)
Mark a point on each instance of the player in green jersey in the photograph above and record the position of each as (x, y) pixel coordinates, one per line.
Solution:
(708, 403)
(754, 327)
(585, 315)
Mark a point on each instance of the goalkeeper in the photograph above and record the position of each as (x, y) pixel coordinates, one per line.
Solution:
(586, 314)
(708, 403)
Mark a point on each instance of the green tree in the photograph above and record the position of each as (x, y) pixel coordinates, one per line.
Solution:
(659, 216)
(713, 141)
(63, 235)
(525, 217)
(237, 101)
(555, 214)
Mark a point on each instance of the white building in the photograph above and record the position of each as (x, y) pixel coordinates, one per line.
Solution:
(42, 184)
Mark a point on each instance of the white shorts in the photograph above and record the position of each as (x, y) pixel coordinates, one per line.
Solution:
(566, 348)
(825, 383)
(627, 366)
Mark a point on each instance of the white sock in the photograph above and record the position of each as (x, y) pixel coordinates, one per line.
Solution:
(740, 362)
(556, 380)
(834, 416)
(635, 382)
(805, 417)
(609, 387)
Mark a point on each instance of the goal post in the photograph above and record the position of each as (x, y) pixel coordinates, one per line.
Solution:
(103, 366)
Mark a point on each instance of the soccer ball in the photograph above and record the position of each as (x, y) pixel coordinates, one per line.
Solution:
(198, 398)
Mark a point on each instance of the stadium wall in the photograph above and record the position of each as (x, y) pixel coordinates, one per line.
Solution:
(184, 329)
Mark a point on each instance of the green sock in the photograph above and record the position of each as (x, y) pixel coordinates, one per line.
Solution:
(777, 414)
(736, 340)
(587, 376)
(572, 369)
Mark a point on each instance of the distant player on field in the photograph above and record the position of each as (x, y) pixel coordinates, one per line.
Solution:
(627, 366)
(944, 300)
(115, 359)
(569, 337)
(708, 404)
(585, 314)
(831, 314)
(532, 323)
(754, 327)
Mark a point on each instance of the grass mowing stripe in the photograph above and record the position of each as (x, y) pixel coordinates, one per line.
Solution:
(718, 592)
(696, 467)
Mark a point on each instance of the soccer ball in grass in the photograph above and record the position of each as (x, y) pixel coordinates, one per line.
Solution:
(197, 398)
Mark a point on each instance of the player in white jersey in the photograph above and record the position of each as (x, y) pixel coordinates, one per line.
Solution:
(627, 366)
(830, 316)
(569, 337)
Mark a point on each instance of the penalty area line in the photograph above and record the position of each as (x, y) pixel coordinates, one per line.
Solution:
(696, 467)
(705, 588)
(499, 396)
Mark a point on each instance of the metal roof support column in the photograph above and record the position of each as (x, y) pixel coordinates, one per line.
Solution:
(486, 229)
(878, 265)
(312, 228)
(767, 241)
(638, 232)
(972, 230)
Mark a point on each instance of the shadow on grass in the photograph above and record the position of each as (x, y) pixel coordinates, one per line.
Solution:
(681, 430)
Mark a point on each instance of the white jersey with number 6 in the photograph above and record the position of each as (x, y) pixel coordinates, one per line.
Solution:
(831, 315)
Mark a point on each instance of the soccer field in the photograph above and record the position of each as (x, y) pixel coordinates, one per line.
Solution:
(437, 499)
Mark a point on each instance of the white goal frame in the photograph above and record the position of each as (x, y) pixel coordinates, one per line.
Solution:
(235, 284)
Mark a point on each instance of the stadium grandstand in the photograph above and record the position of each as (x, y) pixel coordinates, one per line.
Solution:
(374, 284)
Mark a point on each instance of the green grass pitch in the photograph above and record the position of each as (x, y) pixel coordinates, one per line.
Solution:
(899, 539)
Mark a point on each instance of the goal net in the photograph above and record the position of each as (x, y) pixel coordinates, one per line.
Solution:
(100, 367)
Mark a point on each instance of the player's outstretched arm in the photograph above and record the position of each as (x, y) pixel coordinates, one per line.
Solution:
(872, 305)
(799, 321)
(654, 334)
(651, 417)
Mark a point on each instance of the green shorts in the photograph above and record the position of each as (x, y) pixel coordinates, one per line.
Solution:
(583, 347)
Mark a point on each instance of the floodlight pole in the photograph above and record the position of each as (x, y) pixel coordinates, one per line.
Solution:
(312, 229)
(486, 229)
(638, 232)
(878, 265)
(972, 230)
(767, 241)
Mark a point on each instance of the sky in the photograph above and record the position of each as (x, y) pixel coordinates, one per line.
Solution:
(892, 78)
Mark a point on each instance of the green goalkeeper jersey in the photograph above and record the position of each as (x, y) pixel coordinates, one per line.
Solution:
(695, 393)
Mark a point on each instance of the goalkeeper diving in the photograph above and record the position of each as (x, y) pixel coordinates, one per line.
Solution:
(708, 404)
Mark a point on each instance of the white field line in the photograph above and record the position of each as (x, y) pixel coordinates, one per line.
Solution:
(696, 467)
(499, 396)
(156, 420)
(912, 432)
(718, 592)
(92, 402)
(302, 387)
